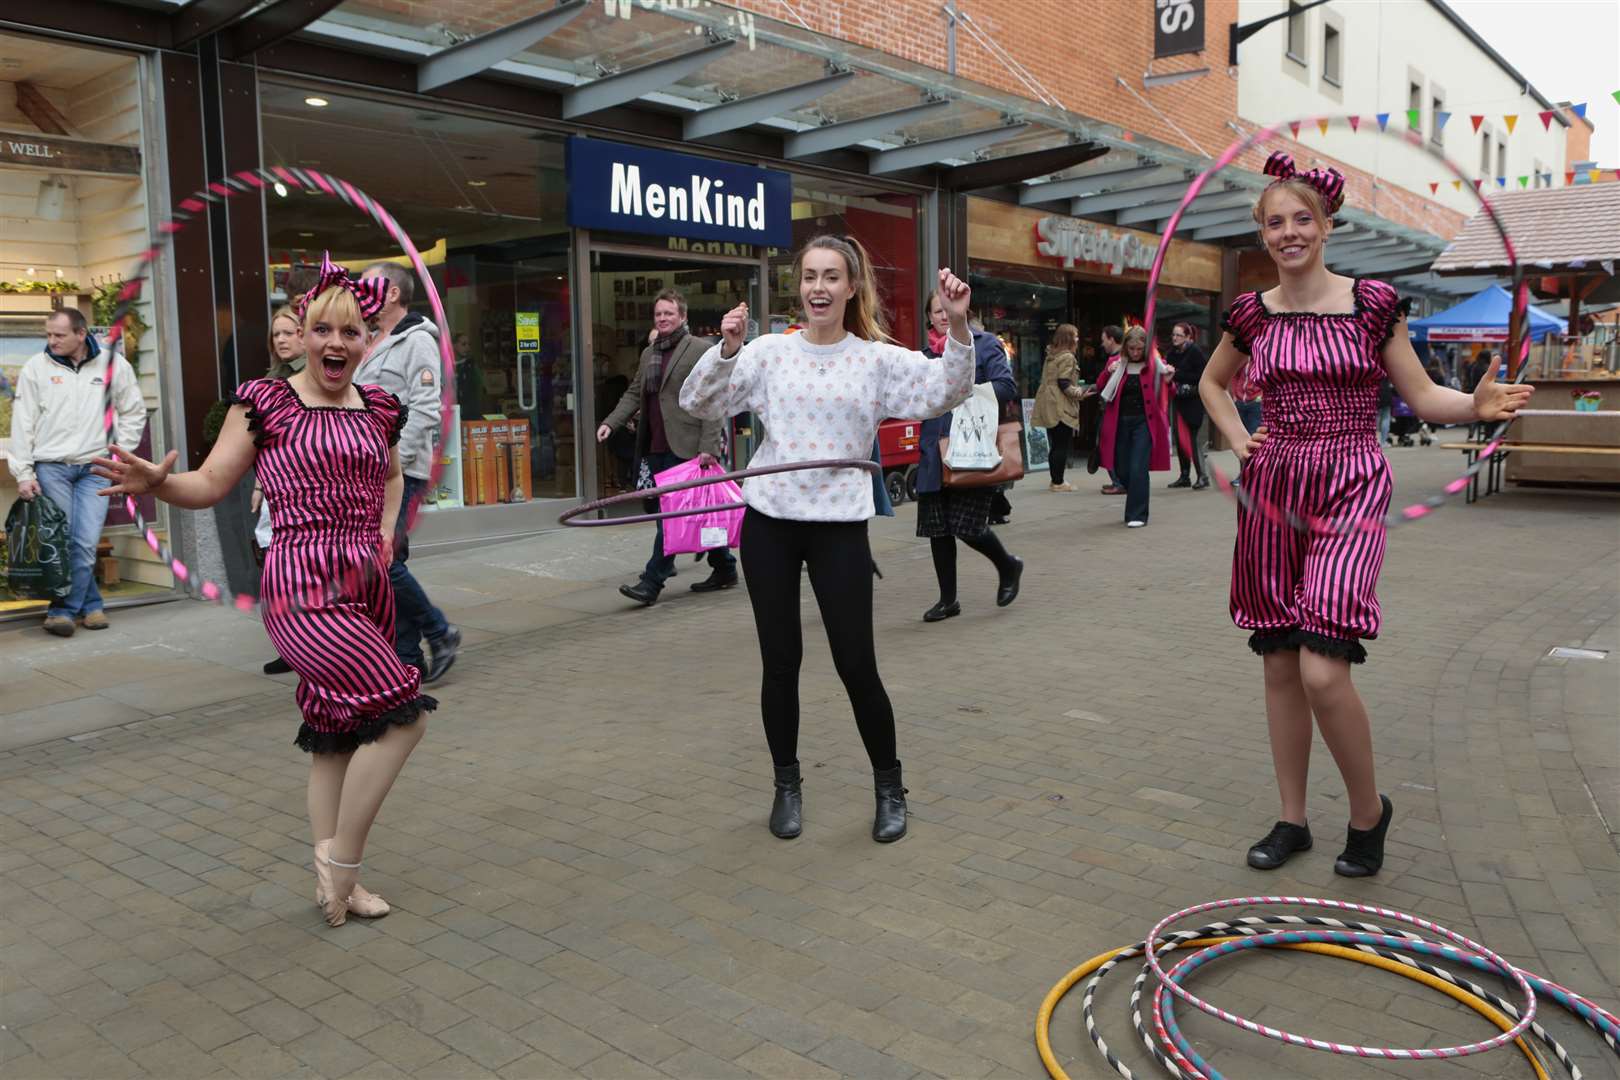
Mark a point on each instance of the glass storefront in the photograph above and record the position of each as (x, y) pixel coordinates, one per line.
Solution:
(69, 233)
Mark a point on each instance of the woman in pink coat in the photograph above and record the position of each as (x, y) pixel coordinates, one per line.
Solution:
(1135, 437)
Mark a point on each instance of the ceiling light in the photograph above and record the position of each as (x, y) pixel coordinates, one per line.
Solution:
(281, 189)
(306, 234)
(316, 102)
(478, 183)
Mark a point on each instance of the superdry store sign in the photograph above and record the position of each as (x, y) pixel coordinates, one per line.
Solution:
(634, 189)
(1078, 241)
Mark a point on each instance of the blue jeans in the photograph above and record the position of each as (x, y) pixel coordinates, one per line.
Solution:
(73, 489)
(1249, 413)
(415, 617)
(660, 568)
(1383, 424)
(1133, 453)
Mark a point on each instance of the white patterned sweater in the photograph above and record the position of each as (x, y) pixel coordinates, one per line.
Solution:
(823, 401)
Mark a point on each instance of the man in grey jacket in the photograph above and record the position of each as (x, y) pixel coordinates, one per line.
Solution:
(668, 435)
(404, 360)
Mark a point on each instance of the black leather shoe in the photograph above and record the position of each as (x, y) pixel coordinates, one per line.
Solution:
(278, 666)
(942, 611)
(1283, 840)
(787, 811)
(1363, 854)
(1182, 483)
(640, 592)
(889, 823)
(1201, 483)
(1008, 592)
(444, 653)
(717, 580)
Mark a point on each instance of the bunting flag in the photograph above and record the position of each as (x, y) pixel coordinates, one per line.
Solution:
(1355, 123)
(1456, 185)
(1596, 175)
(1477, 119)
(1510, 119)
(1579, 110)
(1414, 118)
(1383, 118)
(1501, 181)
(1440, 119)
(1547, 118)
(1293, 127)
(1616, 95)
(1524, 181)
(1477, 184)
(1569, 178)
(1323, 124)
(1434, 187)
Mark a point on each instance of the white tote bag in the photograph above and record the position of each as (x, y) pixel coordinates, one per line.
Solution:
(973, 431)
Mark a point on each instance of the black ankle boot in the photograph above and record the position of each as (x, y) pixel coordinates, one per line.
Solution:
(889, 824)
(787, 811)
(1363, 854)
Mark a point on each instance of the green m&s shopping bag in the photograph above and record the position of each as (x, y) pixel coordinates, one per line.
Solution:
(37, 558)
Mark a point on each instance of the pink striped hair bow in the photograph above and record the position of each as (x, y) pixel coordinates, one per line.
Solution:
(369, 293)
(1328, 182)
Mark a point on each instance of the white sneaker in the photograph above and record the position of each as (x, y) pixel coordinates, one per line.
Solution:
(1135, 524)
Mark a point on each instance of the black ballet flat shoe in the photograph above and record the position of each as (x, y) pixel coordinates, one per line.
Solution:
(889, 822)
(278, 666)
(1363, 854)
(1280, 843)
(942, 611)
(1181, 483)
(1008, 590)
(787, 809)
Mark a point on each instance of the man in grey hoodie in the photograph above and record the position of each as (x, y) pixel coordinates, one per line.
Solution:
(404, 360)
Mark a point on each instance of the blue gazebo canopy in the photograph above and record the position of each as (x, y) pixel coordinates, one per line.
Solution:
(1483, 317)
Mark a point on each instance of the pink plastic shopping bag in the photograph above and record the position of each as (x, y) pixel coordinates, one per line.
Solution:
(699, 532)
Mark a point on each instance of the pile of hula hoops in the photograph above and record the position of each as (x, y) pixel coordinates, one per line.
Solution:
(1158, 989)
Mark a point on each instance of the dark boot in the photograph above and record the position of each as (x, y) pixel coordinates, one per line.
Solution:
(787, 811)
(1363, 854)
(1007, 591)
(641, 592)
(278, 666)
(889, 824)
(717, 580)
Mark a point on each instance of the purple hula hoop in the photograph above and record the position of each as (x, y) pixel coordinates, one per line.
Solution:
(568, 518)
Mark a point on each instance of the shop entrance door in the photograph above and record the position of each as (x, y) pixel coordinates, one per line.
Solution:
(624, 282)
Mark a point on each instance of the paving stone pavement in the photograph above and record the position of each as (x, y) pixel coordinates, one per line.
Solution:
(583, 884)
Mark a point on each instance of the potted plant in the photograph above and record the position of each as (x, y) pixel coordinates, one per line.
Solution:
(105, 302)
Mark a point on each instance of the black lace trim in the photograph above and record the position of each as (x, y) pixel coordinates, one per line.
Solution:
(399, 423)
(1270, 641)
(370, 729)
(1239, 340)
(1401, 310)
(255, 418)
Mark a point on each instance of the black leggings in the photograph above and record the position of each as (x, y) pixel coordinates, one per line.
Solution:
(986, 543)
(1058, 440)
(840, 563)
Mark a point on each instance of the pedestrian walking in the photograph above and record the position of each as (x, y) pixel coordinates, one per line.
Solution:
(327, 453)
(946, 515)
(667, 435)
(1135, 439)
(1186, 428)
(1112, 341)
(822, 393)
(404, 360)
(286, 360)
(1057, 401)
(1319, 345)
(58, 426)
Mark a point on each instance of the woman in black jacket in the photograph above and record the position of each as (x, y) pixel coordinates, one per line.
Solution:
(1188, 360)
(946, 515)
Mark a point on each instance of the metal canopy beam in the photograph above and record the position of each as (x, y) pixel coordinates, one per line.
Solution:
(1221, 232)
(751, 110)
(936, 150)
(1161, 211)
(611, 90)
(274, 22)
(1015, 168)
(199, 18)
(1337, 253)
(1216, 217)
(849, 132)
(483, 52)
(1337, 247)
(1076, 186)
(1402, 255)
(1126, 197)
(1399, 262)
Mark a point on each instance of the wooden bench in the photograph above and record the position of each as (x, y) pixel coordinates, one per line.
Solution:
(1493, 469)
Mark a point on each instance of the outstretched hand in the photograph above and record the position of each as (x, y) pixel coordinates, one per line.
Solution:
(954, 296)
(1498, 401)
(131, 475)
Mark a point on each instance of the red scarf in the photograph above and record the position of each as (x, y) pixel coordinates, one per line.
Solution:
(936, 341)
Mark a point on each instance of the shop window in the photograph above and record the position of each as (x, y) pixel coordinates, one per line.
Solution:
(1485, 153)
(1501, 159)
(884, 223)
(1023, 306)
(1331, 58)
(1414, 100)
(1437, 105)
(1297, 46)
(485, 204)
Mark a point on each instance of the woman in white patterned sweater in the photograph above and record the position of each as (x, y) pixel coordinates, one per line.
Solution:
(821, 394)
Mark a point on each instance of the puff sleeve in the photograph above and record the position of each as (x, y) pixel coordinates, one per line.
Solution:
(1381, 308)
(1244, 321)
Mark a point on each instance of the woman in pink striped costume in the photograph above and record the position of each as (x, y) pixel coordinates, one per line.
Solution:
(1317, 346)
(324, 452)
